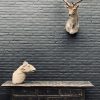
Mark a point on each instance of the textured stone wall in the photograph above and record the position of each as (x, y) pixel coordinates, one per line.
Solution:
(33, 30)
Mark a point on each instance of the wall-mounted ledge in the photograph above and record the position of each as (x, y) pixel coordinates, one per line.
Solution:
(78, 84)
(48, 90)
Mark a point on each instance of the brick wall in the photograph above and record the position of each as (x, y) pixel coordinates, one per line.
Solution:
(33, 30)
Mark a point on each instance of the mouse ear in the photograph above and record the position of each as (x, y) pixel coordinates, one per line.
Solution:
(25, 63)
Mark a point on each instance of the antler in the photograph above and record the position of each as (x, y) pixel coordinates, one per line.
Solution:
(78, 2)
(67, 3)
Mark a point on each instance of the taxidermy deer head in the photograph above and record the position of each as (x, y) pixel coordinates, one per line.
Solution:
(72, 25)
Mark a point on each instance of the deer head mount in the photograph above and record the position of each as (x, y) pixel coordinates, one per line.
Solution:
(72, 24)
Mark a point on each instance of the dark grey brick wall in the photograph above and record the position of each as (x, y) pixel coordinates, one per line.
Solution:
(33, 30)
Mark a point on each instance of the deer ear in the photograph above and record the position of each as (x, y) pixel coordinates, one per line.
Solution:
(77, 6)
(25, 63)
(67, 6)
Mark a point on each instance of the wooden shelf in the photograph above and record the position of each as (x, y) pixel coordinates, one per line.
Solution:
(48, 90)
(80, 84)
